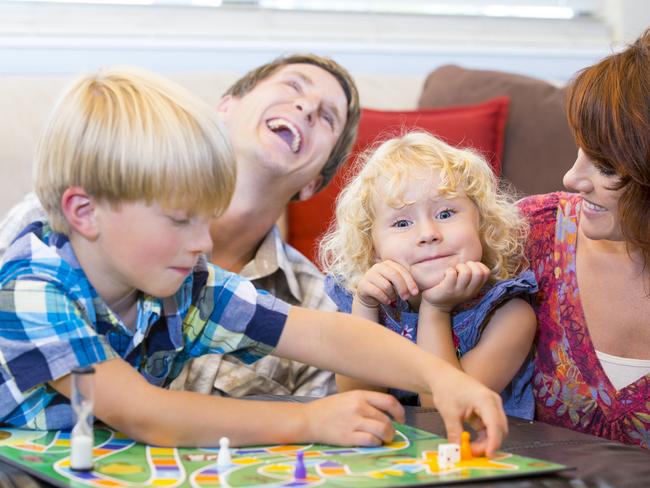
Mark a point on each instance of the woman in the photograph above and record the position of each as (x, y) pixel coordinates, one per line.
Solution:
(590, 252)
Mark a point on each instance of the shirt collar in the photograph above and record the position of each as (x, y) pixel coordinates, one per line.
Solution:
(271, 258)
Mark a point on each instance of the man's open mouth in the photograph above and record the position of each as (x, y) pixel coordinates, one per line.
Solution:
(287, 131)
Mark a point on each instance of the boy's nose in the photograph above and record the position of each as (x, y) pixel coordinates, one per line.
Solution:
(201, 239)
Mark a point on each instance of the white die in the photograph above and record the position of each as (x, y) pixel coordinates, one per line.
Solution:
(448, 455)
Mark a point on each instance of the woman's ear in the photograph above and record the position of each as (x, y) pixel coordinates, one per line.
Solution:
(79, 209)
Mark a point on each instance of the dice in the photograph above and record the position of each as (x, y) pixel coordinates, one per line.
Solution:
(448, 455)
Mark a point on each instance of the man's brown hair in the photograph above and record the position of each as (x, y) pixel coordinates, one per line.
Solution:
(349, 134)
(608, 107)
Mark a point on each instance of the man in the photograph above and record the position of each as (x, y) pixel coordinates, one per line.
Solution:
(292, 122)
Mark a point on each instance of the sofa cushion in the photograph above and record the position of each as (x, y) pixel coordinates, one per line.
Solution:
(479, 126)
(539, 146)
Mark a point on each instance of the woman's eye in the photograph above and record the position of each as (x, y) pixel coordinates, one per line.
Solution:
(606, 170)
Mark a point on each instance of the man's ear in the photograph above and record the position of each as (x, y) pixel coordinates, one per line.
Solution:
(79, 210)
(225, 102)
(308, 191)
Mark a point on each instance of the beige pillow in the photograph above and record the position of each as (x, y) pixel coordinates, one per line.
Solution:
(539, 147)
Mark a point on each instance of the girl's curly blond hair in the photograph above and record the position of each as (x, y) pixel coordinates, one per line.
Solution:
(346, 250)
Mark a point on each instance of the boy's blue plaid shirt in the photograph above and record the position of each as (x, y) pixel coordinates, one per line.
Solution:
(52, 320)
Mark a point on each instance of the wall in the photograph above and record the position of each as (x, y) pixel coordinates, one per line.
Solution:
(38, 38)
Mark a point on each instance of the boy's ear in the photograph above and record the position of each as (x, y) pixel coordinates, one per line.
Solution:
(308, 191)
(79, 210)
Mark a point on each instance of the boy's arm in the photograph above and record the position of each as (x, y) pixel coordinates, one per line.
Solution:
(149, 414)
(356, 347)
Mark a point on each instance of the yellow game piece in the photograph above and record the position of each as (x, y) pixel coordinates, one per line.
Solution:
(465, 448)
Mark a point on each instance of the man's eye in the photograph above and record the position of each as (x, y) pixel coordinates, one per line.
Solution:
(401, 223)
(329, 118)
(295, 85)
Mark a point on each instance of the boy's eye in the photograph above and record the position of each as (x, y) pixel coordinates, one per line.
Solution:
(176, 220)
(446, 214)
(401, 223)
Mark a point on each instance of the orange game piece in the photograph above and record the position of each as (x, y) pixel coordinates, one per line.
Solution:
(465, 448)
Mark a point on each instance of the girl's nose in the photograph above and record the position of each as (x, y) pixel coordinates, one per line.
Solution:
(429, 232)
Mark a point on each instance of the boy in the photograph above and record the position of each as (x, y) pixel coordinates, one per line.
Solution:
(130, 171)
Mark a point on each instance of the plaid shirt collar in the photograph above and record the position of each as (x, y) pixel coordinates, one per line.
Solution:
(270, 258)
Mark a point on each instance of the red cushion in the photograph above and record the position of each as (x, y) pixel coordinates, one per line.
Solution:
(479, 126)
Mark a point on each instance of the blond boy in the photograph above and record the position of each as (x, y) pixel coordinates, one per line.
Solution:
(130, 170)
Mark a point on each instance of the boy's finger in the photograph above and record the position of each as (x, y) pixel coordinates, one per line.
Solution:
(382, 430)
(453, 427)
(386, 404)
(496, 425)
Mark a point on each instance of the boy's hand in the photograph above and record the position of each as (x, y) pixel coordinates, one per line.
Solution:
(459, 284)
(354, 418)
(383, 283)
(462, 399)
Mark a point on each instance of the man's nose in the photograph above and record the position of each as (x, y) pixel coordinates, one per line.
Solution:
(307, 106)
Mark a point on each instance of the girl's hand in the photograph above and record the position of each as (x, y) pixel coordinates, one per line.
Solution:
(383, 283)
(460, 283)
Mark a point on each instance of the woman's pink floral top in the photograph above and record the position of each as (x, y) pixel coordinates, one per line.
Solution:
(570, 387)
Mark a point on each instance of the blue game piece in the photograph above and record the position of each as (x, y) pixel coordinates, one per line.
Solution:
(301, 471)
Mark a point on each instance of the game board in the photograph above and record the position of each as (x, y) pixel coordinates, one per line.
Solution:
(411, 459)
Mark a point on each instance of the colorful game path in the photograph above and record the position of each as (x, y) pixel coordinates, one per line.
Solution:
(411, 459)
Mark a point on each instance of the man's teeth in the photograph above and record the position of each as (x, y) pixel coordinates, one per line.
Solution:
(276, 124)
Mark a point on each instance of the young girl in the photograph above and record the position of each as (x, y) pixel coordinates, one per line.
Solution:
(426, 244)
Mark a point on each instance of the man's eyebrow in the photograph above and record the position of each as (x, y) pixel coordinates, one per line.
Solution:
(308, 81)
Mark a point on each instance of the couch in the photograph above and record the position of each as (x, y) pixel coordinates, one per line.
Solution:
(515, 121)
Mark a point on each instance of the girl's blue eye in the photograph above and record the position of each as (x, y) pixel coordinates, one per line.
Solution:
(446, 214)
(401, 223)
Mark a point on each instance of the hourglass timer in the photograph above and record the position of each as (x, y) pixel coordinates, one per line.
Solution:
(81, 438)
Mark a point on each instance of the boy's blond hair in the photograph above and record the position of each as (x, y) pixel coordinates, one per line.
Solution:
(347, 251)
(126, 134)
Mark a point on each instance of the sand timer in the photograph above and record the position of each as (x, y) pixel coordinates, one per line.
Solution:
(81, 438)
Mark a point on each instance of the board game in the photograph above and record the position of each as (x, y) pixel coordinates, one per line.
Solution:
(410, 460)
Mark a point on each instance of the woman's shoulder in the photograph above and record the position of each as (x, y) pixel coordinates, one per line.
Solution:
(540, 209)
